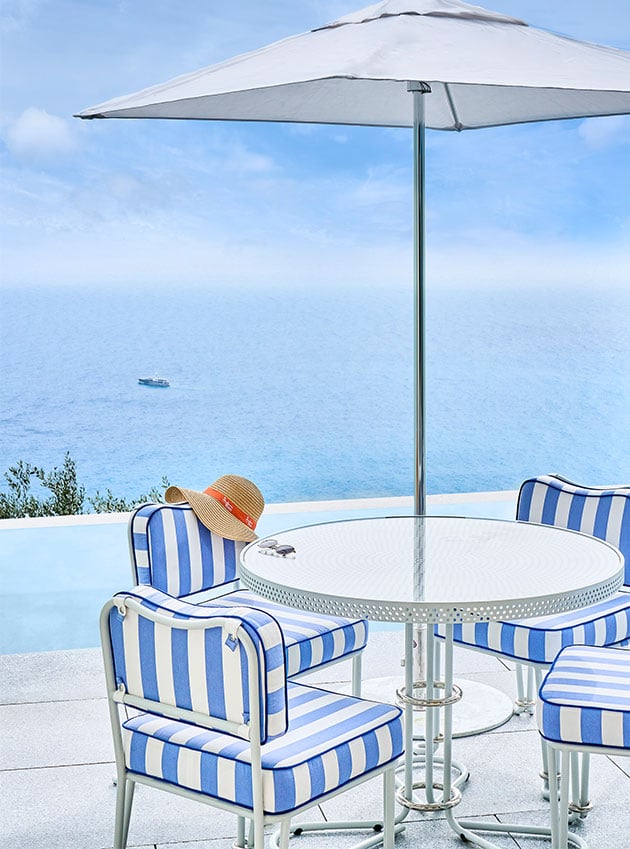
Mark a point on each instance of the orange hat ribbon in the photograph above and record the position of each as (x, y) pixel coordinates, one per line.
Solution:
(229, 505)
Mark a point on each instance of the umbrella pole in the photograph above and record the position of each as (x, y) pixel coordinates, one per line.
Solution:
(419, 89)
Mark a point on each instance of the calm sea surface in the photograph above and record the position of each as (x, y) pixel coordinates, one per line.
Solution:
(310, 394)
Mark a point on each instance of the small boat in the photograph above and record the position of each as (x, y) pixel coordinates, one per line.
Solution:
(154, 381)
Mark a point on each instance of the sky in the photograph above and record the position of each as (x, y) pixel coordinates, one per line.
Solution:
(145, 203)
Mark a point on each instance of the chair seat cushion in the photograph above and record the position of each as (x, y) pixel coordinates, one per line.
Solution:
(311, 639)
(540, 639)
(585, 698)
(330, 740)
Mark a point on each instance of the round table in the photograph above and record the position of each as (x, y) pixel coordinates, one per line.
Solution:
(434, 570)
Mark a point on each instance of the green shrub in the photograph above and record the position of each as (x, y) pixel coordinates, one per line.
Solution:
(58, 493)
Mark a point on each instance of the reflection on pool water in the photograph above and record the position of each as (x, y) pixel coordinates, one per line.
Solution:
(55, 579)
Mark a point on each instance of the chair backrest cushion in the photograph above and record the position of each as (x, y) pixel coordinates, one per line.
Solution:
(173, 551)
(600, 512)
(203, 670)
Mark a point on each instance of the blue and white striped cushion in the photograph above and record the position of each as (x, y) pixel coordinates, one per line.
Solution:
(540, 639)
(603, 513)
(174, 552)
(330, 740)
(311, 639)
(205, 669)
(585, 698)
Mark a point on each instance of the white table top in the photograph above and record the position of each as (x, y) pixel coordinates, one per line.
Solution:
(435, 569)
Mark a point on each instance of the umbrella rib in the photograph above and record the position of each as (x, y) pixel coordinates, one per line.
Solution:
(456, 122)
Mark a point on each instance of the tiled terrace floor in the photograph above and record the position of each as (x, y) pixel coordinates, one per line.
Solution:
(57, 767)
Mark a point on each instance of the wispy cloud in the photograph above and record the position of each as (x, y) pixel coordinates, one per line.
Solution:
(243, 161)
(599, 133)
(37, 135)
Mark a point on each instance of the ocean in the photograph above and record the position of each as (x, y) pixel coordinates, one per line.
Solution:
(310, 394)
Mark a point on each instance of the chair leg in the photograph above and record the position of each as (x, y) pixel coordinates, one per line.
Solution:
(580, 772)
(520, 693)
(547, 768)
(119, 822)
(559, 796)
(356, 675)
(585, 804)
(285, 830)
(525, 700)
(240, 833)
(548, 763)
(388, 809)
(131, 786)
(554, 812)
(259, 830)
(563, 829)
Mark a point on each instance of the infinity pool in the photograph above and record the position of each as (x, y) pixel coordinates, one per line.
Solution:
(55, 579)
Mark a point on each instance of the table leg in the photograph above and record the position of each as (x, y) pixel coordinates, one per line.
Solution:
(425, 755)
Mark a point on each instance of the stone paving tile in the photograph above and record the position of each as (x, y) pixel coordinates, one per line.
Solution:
(55, 733)
(606, 827)
(63, 808)
(623, 764)
(52, 676)
(73, 808)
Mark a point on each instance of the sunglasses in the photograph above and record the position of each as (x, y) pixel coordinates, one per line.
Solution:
(273, 547)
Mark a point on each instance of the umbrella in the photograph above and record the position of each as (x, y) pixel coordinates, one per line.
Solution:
(441, 64)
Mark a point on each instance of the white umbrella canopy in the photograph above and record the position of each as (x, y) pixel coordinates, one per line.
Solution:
(484, 69)
(441, 64)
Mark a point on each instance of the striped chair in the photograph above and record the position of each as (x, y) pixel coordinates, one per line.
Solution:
(215, 718)
(600, 512)
(535, 643)
(584, 706)
(173, 551)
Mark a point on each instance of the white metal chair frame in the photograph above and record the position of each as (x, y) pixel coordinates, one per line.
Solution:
(251, 731)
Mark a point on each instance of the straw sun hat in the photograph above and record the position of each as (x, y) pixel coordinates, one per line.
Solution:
(231, 506)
